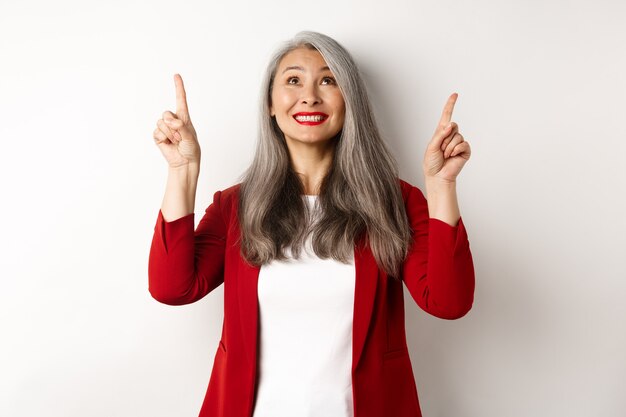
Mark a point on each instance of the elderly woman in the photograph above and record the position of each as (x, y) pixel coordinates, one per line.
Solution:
(313, 246)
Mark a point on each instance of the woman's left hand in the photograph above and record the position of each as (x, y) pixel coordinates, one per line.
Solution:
(447, 151)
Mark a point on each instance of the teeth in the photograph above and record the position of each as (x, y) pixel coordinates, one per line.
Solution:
(316, 118)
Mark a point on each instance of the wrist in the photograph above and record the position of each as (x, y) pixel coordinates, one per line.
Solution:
(189, 170)
(185, 177)
(439, 184)
(442, 200)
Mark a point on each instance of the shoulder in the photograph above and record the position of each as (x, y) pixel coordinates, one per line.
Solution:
(228, 199)
(410, 191)
(230, 193)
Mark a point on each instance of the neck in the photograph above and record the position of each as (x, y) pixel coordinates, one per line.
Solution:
(311, 163)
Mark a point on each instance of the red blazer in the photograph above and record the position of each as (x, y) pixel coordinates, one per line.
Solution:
(185, 265)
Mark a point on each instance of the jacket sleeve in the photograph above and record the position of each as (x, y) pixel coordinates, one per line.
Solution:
(185, 265)
(439, 270)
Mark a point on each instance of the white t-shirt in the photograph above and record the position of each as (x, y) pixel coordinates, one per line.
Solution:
(305, 351)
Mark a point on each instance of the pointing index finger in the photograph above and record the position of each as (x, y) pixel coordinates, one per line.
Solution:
(181, 98)
(446, 115)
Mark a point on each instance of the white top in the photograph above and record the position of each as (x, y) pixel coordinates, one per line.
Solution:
(305, 350)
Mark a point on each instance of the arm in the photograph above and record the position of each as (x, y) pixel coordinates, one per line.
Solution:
(442, 201)
(185, 265)
(180, 191)
(438, 271)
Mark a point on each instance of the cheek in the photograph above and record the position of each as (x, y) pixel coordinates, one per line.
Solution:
(339, 104)
(341, 110)
(281, 100)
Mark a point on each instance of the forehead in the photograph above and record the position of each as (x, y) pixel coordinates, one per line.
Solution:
(302, 57)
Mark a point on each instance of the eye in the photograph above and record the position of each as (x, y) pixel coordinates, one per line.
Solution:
(290, 79)
(330, 79)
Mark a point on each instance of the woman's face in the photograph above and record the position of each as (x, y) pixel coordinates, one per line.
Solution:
(306, 99)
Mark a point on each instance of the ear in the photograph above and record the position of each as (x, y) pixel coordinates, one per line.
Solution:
(272, 113)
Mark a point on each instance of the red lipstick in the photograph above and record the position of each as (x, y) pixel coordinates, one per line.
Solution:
(310, 118)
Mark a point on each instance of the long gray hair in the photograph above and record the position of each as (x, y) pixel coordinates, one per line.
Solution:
(359, 196)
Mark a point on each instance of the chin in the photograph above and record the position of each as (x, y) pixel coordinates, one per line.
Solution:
(313, 141)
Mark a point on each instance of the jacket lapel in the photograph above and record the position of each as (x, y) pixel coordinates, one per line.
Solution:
(364, 295)
(247, 285)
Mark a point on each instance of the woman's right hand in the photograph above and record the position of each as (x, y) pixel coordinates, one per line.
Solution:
(175, 135)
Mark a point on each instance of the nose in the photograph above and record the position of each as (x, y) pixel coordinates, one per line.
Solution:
(310, 95)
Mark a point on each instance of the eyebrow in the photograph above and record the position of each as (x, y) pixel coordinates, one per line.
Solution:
(297, 67)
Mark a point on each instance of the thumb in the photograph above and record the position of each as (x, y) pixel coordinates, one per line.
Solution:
(184, 129)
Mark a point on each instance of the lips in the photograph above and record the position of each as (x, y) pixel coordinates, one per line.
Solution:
(310, 118)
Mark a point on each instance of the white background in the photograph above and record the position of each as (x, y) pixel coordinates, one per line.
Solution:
(541, 100)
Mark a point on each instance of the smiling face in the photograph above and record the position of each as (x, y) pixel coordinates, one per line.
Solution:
(306, 99)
